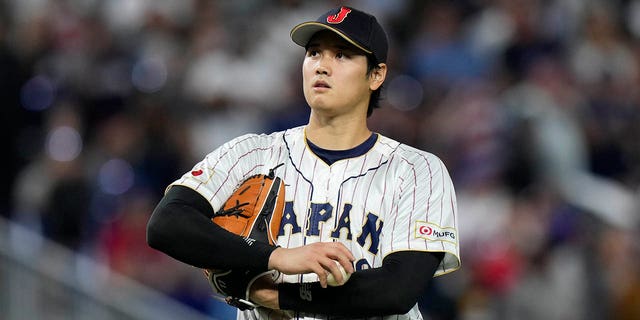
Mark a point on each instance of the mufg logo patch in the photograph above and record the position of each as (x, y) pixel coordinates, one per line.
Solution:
(431, 231)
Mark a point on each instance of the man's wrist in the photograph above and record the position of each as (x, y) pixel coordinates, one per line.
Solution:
(265, 293)
(273, 256)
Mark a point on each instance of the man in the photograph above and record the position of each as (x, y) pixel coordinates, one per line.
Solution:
(386, 212)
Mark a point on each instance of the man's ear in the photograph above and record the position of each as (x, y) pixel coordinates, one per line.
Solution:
(377, 77)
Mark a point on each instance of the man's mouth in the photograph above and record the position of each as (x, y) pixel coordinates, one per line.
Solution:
(321, 84)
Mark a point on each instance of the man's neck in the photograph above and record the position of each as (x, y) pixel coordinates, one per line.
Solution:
(337, 133)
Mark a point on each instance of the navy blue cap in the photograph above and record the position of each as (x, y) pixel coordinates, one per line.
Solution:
(359, 28)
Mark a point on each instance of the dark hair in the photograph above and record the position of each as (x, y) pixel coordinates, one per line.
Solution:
(374, 101)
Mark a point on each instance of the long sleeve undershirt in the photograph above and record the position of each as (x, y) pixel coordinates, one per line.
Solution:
(180, 226)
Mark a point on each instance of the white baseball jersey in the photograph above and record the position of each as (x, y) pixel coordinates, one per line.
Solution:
(392, 198)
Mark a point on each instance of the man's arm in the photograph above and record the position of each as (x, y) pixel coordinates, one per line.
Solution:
(394, 288)
(181, 227)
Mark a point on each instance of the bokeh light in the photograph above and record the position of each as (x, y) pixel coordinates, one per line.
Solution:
(149, 74)
(37, 93)
(404, 93)
(116, 177)
(64, 144)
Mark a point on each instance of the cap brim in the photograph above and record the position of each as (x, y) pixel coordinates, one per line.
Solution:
(302, 33)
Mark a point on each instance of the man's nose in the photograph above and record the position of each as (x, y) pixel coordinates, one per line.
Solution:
(323, 66)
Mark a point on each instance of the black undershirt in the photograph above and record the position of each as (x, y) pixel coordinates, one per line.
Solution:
(394, 288)
(180, 226)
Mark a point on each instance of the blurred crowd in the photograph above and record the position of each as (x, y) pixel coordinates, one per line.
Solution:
(533, 105)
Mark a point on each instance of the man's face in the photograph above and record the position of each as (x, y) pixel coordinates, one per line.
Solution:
(335, 77)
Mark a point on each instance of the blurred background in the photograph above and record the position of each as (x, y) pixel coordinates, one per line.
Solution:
(534, 106)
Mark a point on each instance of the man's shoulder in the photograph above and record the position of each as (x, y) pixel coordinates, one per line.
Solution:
(399, 148)
(404, 152)
(263, 139)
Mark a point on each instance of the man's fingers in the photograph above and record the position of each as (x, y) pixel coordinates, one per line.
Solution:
(331, 267)
(319, 258)
(344, 257)
(343, 251)
(336, 272)
(346, 264)
(322, 275)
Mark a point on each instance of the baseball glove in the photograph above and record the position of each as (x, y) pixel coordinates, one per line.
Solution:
(254, 211)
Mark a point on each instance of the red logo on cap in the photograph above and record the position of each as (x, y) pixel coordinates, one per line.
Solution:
(339, 17)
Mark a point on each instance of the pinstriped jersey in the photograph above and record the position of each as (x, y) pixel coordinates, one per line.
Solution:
(391, 198)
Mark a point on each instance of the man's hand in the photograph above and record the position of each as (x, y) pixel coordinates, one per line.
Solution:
(318, 258)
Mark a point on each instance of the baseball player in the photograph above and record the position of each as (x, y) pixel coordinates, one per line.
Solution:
(381, 210)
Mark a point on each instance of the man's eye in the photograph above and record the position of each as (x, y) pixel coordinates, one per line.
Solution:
(340, 55)
(312, 53)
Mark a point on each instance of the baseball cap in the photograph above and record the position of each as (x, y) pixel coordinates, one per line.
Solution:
(359, 28)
